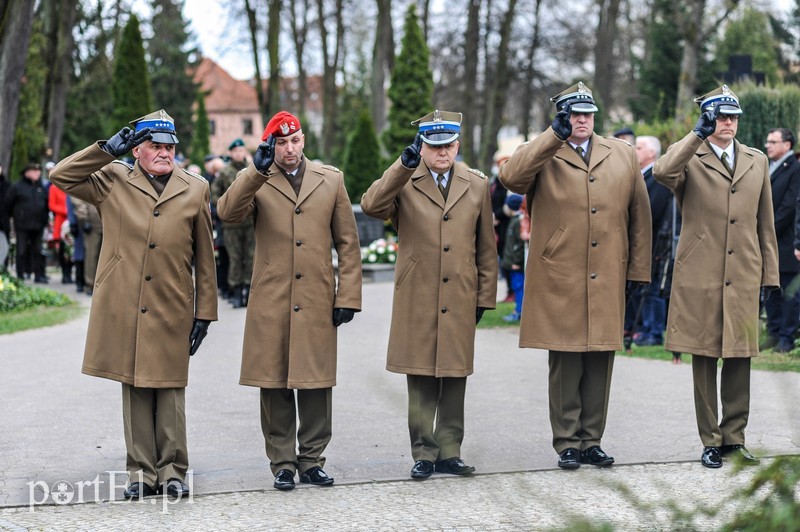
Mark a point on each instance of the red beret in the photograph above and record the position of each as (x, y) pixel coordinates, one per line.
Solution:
(281, 125)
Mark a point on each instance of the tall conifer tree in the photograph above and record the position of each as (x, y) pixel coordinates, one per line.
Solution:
(172, 61)
(411, 90)
(131, 87)
(202, 132)
(362, 160)
(29, 135)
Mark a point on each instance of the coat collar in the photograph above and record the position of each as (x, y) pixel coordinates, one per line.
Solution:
(312, 178)
(459, 185)
(743, 159)
(177, 183)
(600, 149)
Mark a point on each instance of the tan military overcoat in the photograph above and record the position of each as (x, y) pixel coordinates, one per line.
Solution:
(727, 248)
(446, 266)
(145, 297)
(289, 337)
(590, 233)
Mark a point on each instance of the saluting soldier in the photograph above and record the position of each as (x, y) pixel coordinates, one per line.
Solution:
(149, 313)
(239, 237)
(590, 239)
(727, 251)
(446, 277)
(300, 208)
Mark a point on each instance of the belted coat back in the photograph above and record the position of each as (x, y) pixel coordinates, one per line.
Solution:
(727, 248)
(446, 266)
(145, 297)
(590, 233)
(289, 337)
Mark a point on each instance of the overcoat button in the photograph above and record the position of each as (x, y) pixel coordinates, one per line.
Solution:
(144, 309)
(297, 276)
(444, 309)
(446, 217)
(446, 248)
(152, 245)
(594, 210)
(733, 221)
(593, 276)
(727, 283)
(445, 279)
(297, 210)
(298, 243)
(156, 213)
(147, 278)
(591, 179)
(297, 308)
(730, 252)
(594, 243)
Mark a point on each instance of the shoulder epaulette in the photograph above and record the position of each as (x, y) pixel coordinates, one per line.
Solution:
(618, 140)
(197, 176)
(477, 173)
(757, 151)
(123, 163)
(330, 167)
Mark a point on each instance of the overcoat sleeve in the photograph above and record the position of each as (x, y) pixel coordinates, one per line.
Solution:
(345, 239)
(237, 204)
(205, 273)
(486, 253)
(380, 199)
(670, 168)
(640, 232)
(86, 175)
(519, 172)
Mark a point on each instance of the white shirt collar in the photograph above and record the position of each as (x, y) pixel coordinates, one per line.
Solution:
(585, 145)
(445, 174)
(729, 150)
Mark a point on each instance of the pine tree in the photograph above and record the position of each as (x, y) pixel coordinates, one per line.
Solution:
(131, 85)
(411, 90)
(202, 131)
(362, 160)
(29, 135)
(171, 66)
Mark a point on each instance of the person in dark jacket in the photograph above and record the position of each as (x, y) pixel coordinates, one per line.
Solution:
(26, 203)
(783, 312)
(513, 258)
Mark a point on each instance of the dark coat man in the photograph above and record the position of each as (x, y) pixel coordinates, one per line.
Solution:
(726, 252)
(590, 237)
(446, 277)
(783, 310)
(26, 204)
(300, 208)
(149, 312)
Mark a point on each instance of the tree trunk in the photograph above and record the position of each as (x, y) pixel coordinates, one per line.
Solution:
(382, 63)
(472, 38)
(604, 59)
(299, 34)
(263, 105)
(330, 69)
(16, 19)
(426, 13)
(530, 75)
(498, 90)
(59, 56)
(273, 102)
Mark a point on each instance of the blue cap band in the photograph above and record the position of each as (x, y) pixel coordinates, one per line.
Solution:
(156, 125)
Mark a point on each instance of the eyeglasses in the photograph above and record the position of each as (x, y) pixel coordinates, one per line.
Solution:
(732, 118)
(775, 142)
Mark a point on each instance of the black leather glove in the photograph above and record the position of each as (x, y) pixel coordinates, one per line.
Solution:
(707, 123)
(199, 331)
(766, 292)
(265, 155)
(342, 315)
(412, 154)
(87, 228)
(479, 314)
(562, 127)
(125, 140)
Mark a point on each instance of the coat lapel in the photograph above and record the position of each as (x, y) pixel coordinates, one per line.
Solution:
(458, 188)
(137, 179)
(600, 150)
(177, 183)
(423, 181)
(568, 154)
(278, 181)
(710, 160)
(744, 161)
(312, 178)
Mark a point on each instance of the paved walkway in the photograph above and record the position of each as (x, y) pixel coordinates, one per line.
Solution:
(60, 425)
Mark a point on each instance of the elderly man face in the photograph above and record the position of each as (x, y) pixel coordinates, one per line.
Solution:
(155, 158)
(645, 152)
(440, 158)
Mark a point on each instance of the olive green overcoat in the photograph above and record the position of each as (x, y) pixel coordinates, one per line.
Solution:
(446, 266)
(289, 337)
(145, 296)
(727, 248)
(590, 233)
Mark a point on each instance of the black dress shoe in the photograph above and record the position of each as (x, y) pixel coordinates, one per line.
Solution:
(422, 469)
(739, 453)
(316, 476)
(594, 455)
(177, 488)
(284, 480)
(454, 466)
(137, 490)
(568, 459)
(711, 457)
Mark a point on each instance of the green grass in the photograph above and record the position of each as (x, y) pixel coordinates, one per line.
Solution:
(494, 318)
(36, 317)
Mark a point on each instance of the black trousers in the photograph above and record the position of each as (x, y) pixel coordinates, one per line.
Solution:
(29, 253)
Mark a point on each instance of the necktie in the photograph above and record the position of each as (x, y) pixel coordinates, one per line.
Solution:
(580, 151)
(725, 163)
(440, 184)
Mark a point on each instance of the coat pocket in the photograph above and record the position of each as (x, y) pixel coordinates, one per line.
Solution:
(552, 244)
(259, 273)
(402, 275)
(108, 267)
(684, 254)
(186, 281)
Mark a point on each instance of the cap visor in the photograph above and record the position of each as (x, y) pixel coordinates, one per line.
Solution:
(583, 108)
(729, 110)
(164, 138)
(440, 138)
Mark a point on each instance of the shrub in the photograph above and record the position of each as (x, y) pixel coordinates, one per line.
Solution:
(16, 296)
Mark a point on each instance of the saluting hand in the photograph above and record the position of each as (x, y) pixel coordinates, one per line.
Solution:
(125, 140)
(265, 155)
(707, 123)
(562, 127)
(411, 154)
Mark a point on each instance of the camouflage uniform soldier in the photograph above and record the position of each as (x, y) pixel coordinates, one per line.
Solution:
(239, 237)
